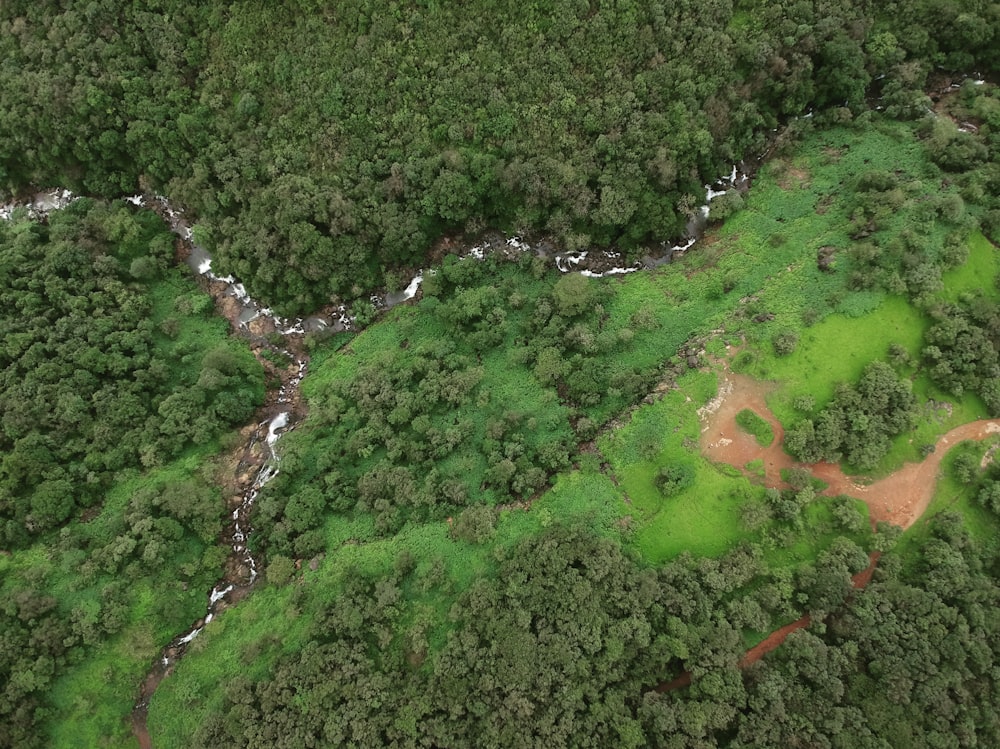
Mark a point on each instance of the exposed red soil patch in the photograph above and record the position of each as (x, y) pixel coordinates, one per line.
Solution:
(900, 498)
(772, 641)
(684, 680)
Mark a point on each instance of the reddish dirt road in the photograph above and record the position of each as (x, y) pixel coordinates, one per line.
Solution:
(776, 638)
(900, 498)
(773, 640)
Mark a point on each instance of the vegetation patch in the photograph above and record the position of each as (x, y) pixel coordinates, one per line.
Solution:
(752, 423)
(109, 514)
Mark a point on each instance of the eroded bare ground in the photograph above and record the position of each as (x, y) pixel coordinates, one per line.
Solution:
(900, 498)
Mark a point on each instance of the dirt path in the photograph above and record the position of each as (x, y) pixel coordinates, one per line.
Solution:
(778, 636)
(773, 640)
(900, 498)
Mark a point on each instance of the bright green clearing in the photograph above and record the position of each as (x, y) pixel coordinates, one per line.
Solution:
(977, 275)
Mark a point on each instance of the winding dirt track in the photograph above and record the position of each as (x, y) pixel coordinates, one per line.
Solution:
(777, 637)
(900, 498)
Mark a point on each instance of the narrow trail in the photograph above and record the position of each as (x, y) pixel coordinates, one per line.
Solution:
(900, 498)
(777, 637)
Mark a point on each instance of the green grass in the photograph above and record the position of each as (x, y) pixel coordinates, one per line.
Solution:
(222, 652)
(144, 603)
(977, 274)
(188, 312)
(243, 641)
(753, 424)
(950, 494)
(704, 519)
(92, 698)
(836, 350)
(820, 529)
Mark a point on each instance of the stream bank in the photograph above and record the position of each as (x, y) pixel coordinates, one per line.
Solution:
(248, 467)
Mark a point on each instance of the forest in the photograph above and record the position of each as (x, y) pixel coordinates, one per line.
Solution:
(323, 145)
(512, 511)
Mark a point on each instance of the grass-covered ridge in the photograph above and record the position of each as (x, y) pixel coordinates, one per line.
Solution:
(498, 338)
(533, 360)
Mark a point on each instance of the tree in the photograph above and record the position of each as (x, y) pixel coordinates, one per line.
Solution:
(674, 478)
(573, 293)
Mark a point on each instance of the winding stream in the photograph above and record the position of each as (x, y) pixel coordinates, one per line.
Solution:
(257, 461)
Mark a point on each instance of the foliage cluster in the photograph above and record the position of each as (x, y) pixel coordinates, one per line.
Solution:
(476, 396)
(962, 349)
(904, 239)
(853, 678)
(90, 384)
(35, 643)
(319, 144)
(566, 643)
(858, 424)
(559, 648)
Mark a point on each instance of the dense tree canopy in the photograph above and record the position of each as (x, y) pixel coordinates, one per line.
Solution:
(322, 146)
(860, 421)
(320, 142)
(90, 384)
(563, 645)
(963, 349)
(109, 366)
(495, 378)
